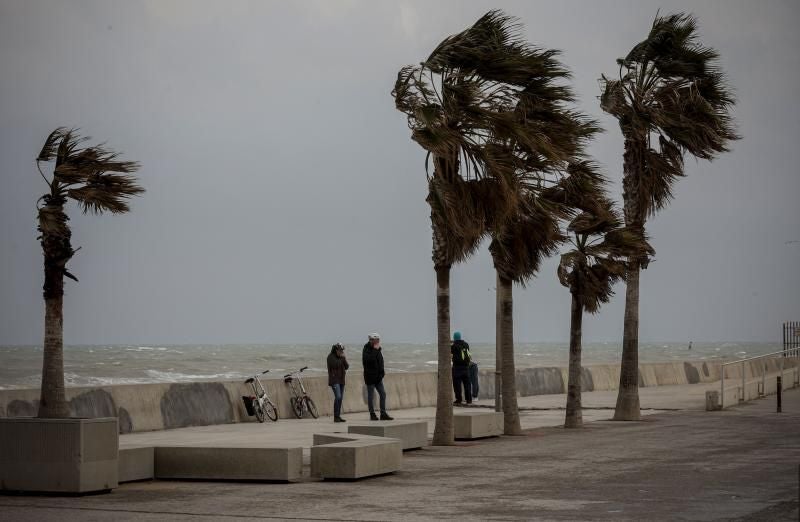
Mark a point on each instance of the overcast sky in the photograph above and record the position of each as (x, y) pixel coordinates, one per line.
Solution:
(285, 199)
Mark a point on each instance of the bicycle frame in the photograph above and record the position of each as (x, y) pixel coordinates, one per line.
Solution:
(301, 402)
(290, 379)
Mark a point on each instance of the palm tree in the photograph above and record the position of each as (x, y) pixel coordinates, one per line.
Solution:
(671, 98)
(596, 262)
(460, 103)
(518, 248)
(98, 182)
(552, 148)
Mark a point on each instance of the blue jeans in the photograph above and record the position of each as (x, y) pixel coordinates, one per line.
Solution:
(338, 396)
(371, 393)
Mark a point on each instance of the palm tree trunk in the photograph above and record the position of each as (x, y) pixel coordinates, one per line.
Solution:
(53, 403)
(511, 423)
(498, 352)
(443, 429)
(574, 416)
(628, 395)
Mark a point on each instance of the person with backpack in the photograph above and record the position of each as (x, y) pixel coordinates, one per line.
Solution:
(459, 351)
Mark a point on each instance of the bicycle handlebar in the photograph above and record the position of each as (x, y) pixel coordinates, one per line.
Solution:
(265, 371)
(294, 372)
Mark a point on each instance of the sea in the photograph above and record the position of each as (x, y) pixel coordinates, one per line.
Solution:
(102, 365)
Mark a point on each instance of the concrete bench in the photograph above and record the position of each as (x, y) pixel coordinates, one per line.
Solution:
(354, 456)
(229, 463)
(477, 424)
(136, 463)
(412, 434)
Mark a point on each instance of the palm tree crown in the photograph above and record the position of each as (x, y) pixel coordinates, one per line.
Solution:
(671, 97)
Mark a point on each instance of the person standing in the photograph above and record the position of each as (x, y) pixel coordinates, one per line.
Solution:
(459, 351)
(337, 367)
(372, 359)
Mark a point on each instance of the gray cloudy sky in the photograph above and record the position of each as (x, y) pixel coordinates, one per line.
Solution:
(285, 200)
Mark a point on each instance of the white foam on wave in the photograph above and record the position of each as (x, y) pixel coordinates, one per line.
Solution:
(434, 363)
(162, 376)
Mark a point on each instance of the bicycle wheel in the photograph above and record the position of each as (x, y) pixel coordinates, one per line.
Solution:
(271, 410)
(259, 412)
(297, 407)
(312, 408)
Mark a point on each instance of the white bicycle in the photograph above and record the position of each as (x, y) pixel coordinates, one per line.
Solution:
(259, 404)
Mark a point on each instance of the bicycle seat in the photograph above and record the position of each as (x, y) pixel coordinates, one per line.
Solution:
(287, 378)
(248, 381)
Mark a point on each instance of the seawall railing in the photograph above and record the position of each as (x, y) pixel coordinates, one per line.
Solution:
(759, 368)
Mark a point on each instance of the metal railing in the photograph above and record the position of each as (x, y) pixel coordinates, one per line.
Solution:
(782, 355)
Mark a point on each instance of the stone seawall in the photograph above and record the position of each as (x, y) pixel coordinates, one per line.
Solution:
(146, 407)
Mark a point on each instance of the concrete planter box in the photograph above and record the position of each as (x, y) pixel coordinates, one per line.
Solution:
(58, 455)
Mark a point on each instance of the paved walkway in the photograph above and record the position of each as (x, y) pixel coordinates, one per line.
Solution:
(739, 464)
(537, 412)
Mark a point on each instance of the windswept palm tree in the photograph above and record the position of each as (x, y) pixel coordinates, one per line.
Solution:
(671, 98)
(99, 182)
(550, 153)
(601, 246)
(460, 104)
(518, 248)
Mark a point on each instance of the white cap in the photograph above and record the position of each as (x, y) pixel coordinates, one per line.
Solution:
(374, 335)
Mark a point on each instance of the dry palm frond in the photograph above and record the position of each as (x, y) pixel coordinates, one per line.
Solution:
(599, 258)
(670, 91)
(92, 176)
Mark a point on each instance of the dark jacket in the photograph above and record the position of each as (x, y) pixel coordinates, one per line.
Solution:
(337, 367)
(372, 360)
(460, 352)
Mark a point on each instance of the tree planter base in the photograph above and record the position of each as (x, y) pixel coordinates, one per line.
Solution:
(58, 455)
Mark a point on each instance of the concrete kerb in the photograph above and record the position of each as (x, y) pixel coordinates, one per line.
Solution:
(413, 434)
(229, 463)
(470, 425)
(350, 456)
(136, 463)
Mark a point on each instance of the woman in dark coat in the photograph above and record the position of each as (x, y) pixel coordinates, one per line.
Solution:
(337, 367)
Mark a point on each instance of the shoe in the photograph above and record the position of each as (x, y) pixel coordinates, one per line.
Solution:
(469, 403)
(456, 403)
(372, 416)
(385, 416)
(338, 419)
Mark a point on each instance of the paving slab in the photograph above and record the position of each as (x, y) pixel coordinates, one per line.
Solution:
(738, 464)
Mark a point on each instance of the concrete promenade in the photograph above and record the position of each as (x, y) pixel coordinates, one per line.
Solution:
(678, 463)
(538, 411)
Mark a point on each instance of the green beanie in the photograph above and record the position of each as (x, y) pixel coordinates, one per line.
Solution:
(456, 336)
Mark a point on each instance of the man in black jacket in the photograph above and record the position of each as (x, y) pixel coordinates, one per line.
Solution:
(459, 351)
(372, 359)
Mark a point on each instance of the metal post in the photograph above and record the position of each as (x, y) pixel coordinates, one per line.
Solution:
(764, 379)
(779, 393)
(742, 398)
(722, 384)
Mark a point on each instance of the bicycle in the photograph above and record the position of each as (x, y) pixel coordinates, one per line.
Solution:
(259, 404)
(300, 400)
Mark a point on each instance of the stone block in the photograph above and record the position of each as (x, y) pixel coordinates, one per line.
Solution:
(58, 455)
(477, 424)
(412, 434)
(136, 463)
(354, 456)
(231, 463)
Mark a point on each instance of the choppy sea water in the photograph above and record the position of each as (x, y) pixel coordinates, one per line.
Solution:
(20, 366)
